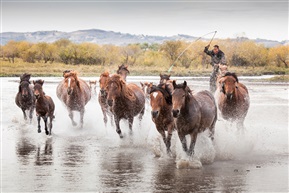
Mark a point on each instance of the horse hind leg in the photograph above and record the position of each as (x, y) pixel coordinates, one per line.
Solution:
(24, 113)
(45, 118)
(81, 118)
(130, 123)
(39, 127)
(50, 123)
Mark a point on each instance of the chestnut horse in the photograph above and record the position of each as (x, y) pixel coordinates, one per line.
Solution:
(123, 71)
(102, 97)
(233, 99)
(161, 104)
(126, 100)
(193, 113)
(146, 88)
(44, 106)
(25, 98)
(74, 93)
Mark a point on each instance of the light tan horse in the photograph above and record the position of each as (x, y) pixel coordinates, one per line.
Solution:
(74, 93)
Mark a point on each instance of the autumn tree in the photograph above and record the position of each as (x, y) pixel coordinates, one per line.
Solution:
(11, 51)
(130, 53)
(279, 55)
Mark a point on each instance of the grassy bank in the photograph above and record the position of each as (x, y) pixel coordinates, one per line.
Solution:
(56, 69)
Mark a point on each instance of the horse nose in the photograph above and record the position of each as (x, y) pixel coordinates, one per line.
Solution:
(69, 91)
(109, 102)
(176, 113)
(102, 91)
(155, 114)
(36, 96)
(229, 95)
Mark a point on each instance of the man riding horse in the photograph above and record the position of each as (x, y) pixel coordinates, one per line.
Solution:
(217, 58)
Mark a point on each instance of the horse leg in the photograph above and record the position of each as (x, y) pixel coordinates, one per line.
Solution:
(24, 113)
(31, 114)
(240, 125)
(183, 141)
(38, 120)
(50, 124)
(81, 117)
(130, 123)
(169, 137)
(193, 142)
(104, 112)
(141, 116)
(71, 117)
(116, 119)
(45, 118)
(212, 129)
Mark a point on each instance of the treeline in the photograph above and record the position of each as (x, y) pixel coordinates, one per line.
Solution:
(240, 52)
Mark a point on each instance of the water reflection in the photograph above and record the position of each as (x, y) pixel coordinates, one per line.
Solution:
(44, 156)
(24, 149)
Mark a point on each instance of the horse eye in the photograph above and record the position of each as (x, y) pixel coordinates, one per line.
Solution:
(183, 96)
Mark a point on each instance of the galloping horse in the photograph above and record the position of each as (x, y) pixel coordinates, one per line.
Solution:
(92, 85)
(102, 97)
(44, 106)
(164, 78)
(146, 88)
(25, 98)
(74, 93)
(161, 104)
(193, 113)
(123, 71)
(233, 99)
(126, 100)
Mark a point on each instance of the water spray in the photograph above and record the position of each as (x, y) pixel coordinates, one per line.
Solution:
(190, 46)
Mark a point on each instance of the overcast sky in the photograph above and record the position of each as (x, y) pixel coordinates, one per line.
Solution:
(254, 19)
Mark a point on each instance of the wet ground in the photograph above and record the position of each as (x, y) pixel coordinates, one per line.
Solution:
(95, 159)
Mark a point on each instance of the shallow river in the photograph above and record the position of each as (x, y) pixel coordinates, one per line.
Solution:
(95, 159)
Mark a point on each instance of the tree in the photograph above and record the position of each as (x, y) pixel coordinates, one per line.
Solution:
(11, 51)
(279, 55)
(130, 53)
(171, 50)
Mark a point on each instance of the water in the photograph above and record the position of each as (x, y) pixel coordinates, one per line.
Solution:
(95, 159)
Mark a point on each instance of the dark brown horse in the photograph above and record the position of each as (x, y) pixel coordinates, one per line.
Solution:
(123, 71)
(102, 97)
(44, 106)
(161, 104)
(25, 98)
(164, 78)
(74, 93)
(126, 100)
(193, 113)
(233, 99)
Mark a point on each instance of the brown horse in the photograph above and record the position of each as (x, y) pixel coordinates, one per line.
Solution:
(193, 113)
(161, 104)
(126, 100)
(123, 71)
(233, 99)
(164, 78)
(25, 98)
(74, 93)
(44, 106)
(102, 97)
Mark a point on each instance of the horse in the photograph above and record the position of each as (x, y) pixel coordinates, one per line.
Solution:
(125, 100)
(161, 104)
(164, 78)
(92, 85)
(123, 71)
(146, 88)
(25, 98)
(233, 99)
(74, 93)
(193, 113)
(44, 106)
(102, 97)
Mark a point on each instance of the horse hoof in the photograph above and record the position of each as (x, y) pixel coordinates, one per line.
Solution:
(47, 133)
(120, 135)
(74, 124)
(39, 131)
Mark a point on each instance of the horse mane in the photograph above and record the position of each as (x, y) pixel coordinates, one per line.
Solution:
(72, 73)
(128, 93)
(164, 90)
(122, 67)
(165, 76)
(181, 86)
(232, 74)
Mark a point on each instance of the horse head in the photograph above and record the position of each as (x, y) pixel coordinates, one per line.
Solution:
(123, 71)
(71, 81)
(103, 79)
(114, 88)
(146, 87)
(160, 96)
(164, 78)
(179, 96)
(24, 89)
(228, 84)
(38, 91)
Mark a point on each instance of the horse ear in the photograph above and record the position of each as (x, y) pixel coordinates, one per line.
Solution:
(33, 82)
(141, 84)
(174, 84)
(185, 84)
(41, 82)
(169, 75)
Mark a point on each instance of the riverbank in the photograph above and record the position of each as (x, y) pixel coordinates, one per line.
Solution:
(56, 69)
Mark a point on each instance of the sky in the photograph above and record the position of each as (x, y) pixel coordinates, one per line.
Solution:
(230, 18)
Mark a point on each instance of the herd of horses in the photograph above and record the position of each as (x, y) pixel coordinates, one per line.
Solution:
(173, 106)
